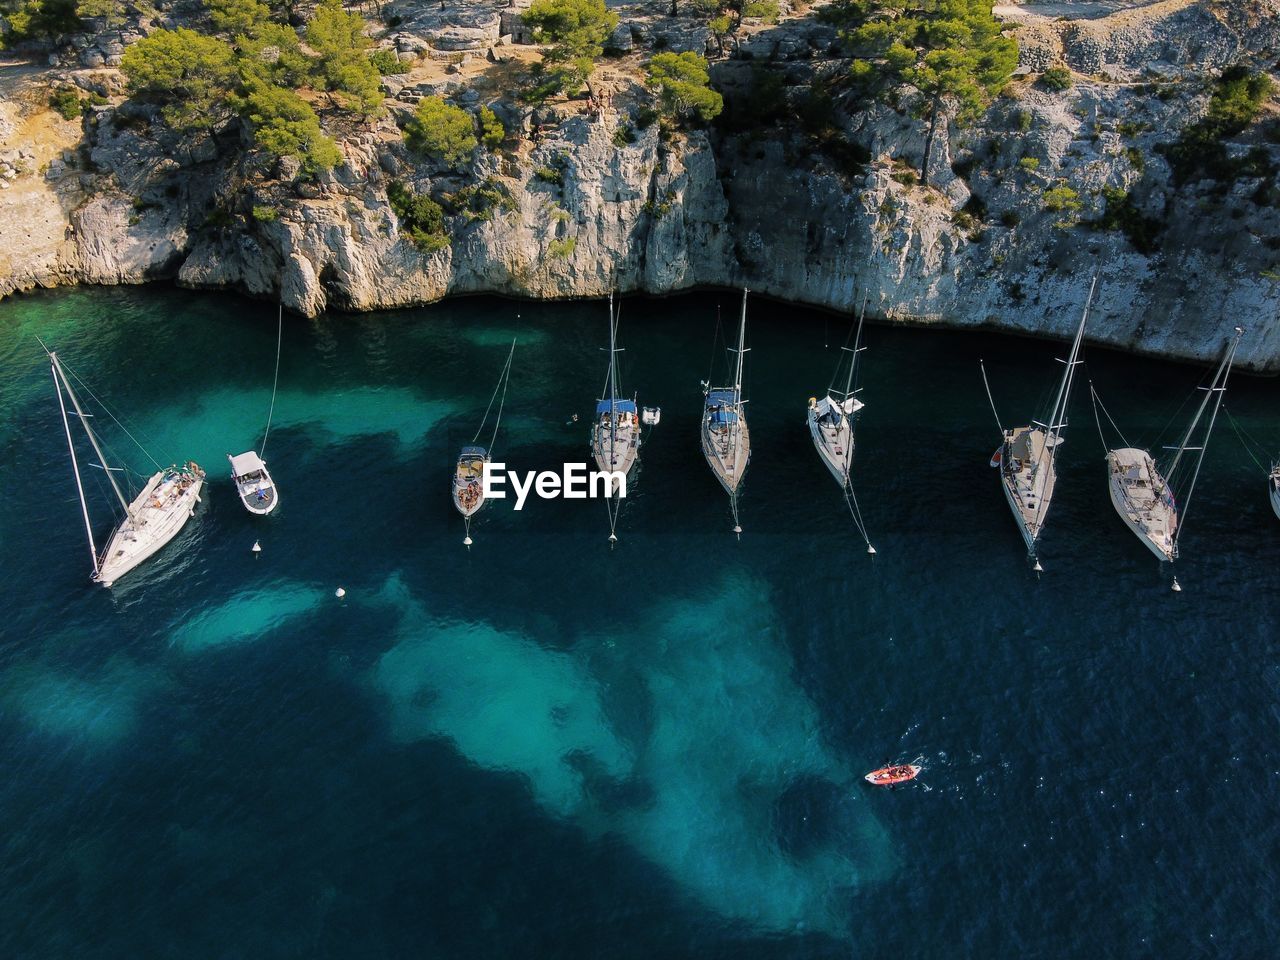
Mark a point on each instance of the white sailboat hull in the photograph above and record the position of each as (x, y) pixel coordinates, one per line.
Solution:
(1153, 517)
(1028, 476)
(833, 440)
(1273, 489)
(616, 450)
(727, 455)
(159, 512)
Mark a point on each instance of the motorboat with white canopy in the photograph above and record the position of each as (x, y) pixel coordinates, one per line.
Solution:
(253, 483)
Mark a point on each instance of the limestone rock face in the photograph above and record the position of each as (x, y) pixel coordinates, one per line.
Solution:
(594, 203)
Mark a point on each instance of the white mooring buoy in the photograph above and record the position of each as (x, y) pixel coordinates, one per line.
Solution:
(340, 593)
(257, 547)
(1037, 568)
(871, 550)
(613, 538)
(466, 541)
(1177, 587)
(738, 531)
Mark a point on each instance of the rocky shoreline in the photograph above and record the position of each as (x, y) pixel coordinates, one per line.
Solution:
(114, 198)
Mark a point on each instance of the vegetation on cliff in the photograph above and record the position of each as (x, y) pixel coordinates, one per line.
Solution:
(257, 69)
(576, 31)
(952, 51)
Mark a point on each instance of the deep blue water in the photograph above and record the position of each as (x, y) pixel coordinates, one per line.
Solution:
(542, 747)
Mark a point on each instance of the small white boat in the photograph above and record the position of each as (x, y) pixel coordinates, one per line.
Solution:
(468, 480)
(253, 482)
(1273, 488)
(726, 440)
(152, 519)
(467, 486)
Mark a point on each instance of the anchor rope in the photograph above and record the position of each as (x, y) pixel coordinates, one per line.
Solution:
(275, 383)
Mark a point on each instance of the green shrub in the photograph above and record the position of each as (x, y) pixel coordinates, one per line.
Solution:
(683, 85)
(285, 125)
(65, 103)
(421, 218)
(1062, 199)
(1010, 218)
(624, 136)
(576, 31)
(562, 249)
(1057, 79)
(387, 63)
(552, 175)
(480, 201)
(265, 214)
(492, 132)
(442, 130)
(1029, 164)
(1123, 214)
(1200, 151)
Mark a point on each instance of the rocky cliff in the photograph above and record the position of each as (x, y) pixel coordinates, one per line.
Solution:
(116, 199)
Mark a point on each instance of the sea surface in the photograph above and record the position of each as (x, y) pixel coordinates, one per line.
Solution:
(547, 747)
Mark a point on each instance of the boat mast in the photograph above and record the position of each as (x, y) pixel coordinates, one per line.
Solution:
(613, 379)
(1213, 387)
(75, 467)
(1224, 371)
(93, 440)
(853, 360)
(736, 426)
(1058, 416)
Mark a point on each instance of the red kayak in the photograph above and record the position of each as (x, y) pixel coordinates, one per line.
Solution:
(888, 776)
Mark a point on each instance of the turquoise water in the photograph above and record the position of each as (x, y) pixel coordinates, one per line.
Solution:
(544, 747)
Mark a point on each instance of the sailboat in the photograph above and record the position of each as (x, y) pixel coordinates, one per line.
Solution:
(615, 432)
(253, 481)
(1142, 495)
(1273, 487)
(1027, 456)
(831, 426)
(468, 475)
(726, 441)
(152, 518)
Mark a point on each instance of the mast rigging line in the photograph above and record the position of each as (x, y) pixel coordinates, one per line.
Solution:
(496, 387)
(107, 410)
(1097, 403)
(275, 383)
(1241, 434)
